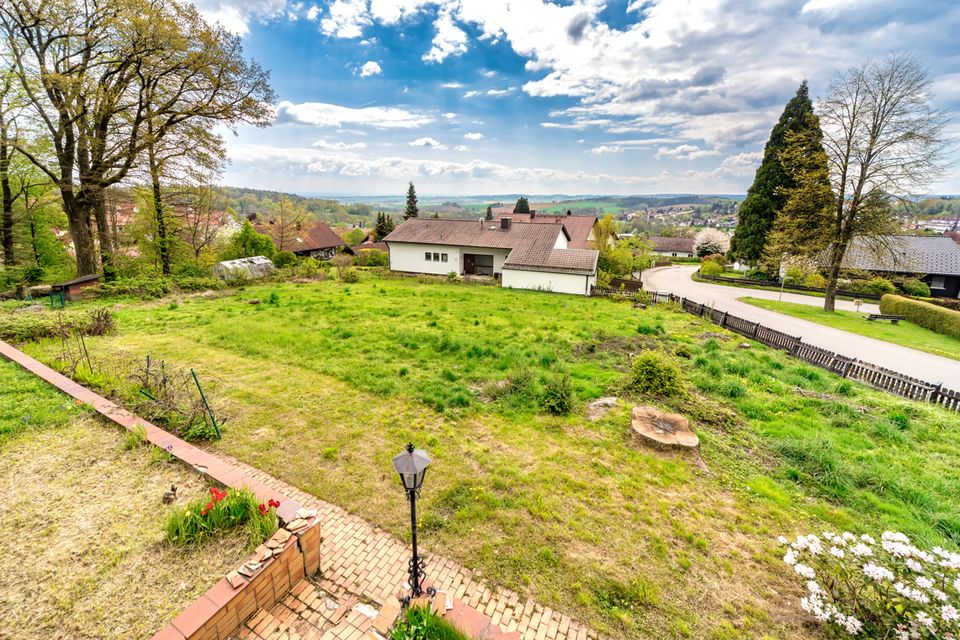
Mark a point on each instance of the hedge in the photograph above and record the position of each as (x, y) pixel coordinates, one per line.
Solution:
(930, 316)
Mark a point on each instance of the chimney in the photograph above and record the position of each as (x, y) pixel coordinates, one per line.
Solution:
(505, 223)
(533, 214)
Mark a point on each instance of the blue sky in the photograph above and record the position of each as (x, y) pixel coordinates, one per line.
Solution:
(529, 96)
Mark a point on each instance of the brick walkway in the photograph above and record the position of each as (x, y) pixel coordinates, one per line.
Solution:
(356, 557)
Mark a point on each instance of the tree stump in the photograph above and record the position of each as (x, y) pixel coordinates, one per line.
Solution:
(660, 430)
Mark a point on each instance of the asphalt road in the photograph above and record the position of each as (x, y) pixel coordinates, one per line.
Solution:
(919, 364)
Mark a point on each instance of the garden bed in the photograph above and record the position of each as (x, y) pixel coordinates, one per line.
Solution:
(90, 558)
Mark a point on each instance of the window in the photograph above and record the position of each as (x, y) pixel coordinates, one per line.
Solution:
(436, 257)
(938, 282)
(443, 257)
(427, 256)
(674, 254)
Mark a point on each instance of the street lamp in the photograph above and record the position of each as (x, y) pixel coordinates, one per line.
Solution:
(412, 467)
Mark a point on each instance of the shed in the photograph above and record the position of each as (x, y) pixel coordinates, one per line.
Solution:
(73, 289)
(252, 268)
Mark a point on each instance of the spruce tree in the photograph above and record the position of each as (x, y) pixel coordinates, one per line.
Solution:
(489, 215)
(522, 206)
(411, 211)
(765, 199)
(384, 227)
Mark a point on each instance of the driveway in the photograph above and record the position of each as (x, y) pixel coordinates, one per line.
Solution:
(919, 364)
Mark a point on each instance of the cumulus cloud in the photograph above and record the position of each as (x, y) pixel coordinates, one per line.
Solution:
(461, 147)
(338, 146)
(370, 68)
(685, 152)
(431, 143)
(346, 19)
(449, 115)
(452, 85)
(496, 93)
(473, 136)
(449, 40)
(321, 114)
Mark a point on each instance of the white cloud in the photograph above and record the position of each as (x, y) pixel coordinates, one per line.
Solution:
(489, 74)
(313, 13)
(461, 147)
(321, 114)
(449, 115)
(449, 40)
(370, 68)
(452, 85)
(429, 142)
(606, 149)
(470, 94)
(473, 136)
(393, 11)
(338, 146)
(685, 152)
(346, 19)
(496, 93)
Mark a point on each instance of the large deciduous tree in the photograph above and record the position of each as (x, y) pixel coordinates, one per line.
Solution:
(883, 140)
(522, 206)
(106, 78)
(765, 197)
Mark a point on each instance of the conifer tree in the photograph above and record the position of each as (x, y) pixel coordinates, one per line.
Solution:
(522, 206)
(765, 199)
(384, 227)
(411, 211)
(489, 214)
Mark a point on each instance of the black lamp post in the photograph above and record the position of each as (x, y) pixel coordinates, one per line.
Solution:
(412, 467)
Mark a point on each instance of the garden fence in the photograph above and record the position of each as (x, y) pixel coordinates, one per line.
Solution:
(870, 374)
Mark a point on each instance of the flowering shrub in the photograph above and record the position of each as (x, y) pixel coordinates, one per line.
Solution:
(889, 589)
(205, 517)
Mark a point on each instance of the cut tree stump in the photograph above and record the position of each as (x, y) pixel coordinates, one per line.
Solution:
(661, 430)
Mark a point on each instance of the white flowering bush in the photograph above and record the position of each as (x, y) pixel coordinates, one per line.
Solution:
(889, 589)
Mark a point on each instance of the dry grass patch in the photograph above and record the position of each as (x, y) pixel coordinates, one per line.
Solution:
(83, 519)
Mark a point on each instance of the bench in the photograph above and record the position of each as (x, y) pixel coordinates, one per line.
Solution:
(880, 316)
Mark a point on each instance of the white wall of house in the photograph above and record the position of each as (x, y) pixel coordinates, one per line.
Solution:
(545, 281)
(673, 254)
(412, 258)
(561, 242)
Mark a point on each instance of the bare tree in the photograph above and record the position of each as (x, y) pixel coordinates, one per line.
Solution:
(884, 140)
(201, 218)
(286, 224)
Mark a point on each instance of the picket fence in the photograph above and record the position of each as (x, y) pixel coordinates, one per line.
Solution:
(870, 374)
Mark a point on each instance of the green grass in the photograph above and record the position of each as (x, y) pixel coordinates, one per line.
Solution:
(420, 623)
(904, 333)
(332, 381)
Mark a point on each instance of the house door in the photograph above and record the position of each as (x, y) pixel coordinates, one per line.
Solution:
(469, 264)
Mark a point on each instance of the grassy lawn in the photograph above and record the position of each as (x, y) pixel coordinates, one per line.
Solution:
(904, 333)
(329, 382)
(84, 521)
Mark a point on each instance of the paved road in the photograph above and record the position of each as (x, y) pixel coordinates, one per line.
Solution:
(911, 362)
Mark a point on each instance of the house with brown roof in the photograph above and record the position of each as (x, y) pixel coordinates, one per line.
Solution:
(524, 255)
(579, 228)
(308, 239)
(932, 259)
(673, 247)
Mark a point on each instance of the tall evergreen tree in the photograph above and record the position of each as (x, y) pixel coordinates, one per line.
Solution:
(411, 211)
(522, 206)
(765, 199)
(489, 214)
(384, 227)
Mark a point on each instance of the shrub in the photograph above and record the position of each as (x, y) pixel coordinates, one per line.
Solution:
(350, 276)
(815, 281)
(30, 326)
(655, 374)
(757, 274)
(204, 517)
(877, 286)
(930, 316)
(711, 268)
(558, 395)
(719, 258)
(887, 590)
(914, 287)
(371, 258)
(453, 276)
(420, 623)
(190, 270)
(285, 259)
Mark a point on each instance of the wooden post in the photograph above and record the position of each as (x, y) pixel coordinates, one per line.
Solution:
(723, 319)
(935, 393)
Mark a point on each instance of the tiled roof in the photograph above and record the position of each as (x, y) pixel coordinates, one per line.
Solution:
(578, 227)
(310, 237)
(532, 244)
(938, 255)
(661, 243)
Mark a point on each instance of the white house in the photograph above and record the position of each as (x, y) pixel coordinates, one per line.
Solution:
(524, 255)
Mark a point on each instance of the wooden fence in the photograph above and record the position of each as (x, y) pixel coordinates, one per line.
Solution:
(870, 374)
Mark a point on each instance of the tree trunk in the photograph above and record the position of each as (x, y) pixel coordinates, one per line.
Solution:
(104, 236)
(79, 210)
(33, 234)
(6, 227)
(163, 241)
(833, 274)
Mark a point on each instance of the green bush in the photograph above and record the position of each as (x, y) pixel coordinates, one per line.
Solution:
(208, 516)
(815, 281)
(913, 287)
(655, 374)
(757, 274)
(420, 623)
(719, 258)
(558, 395)
(924, 314)
(350, 276)
(31, 326)
(710, 268)
(285, 259)
(371, 258)
(877, 286)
